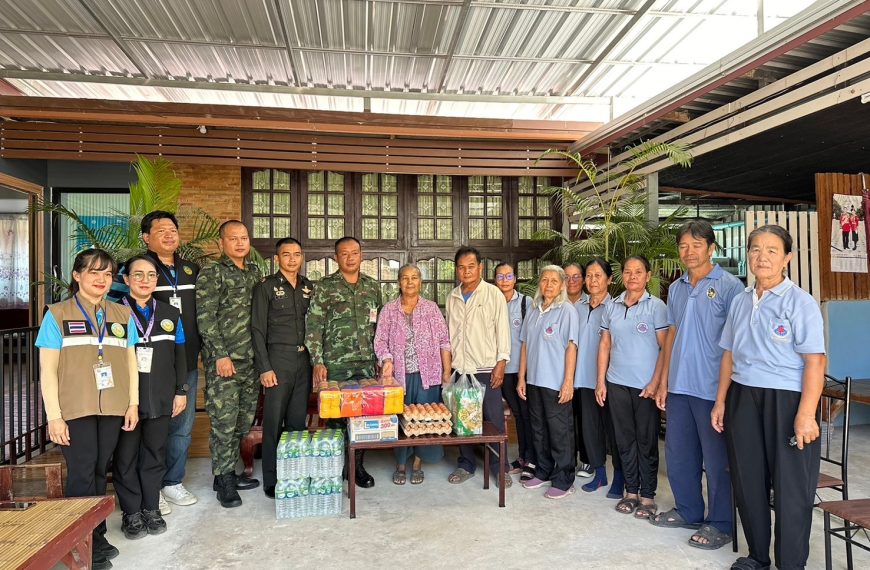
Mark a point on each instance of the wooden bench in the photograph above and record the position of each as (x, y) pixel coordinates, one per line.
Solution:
(490, 436)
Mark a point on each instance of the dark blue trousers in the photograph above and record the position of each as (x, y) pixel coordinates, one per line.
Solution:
(692, 445)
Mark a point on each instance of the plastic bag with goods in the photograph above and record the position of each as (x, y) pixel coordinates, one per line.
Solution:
(468, 401)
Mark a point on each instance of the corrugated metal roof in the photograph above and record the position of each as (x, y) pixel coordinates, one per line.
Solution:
(606, 55)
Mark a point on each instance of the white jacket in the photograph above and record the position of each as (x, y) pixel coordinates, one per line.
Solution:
(479, 329)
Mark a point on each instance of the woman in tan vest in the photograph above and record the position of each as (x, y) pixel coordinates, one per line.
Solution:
(90, 384)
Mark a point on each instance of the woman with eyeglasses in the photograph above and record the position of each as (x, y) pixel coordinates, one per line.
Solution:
(574, 279)
(633, 331)
(518, 305)
(90, 387)
(139, 462)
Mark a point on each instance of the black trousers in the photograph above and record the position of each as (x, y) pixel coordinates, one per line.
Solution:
(758, 425)
(598, 435)
(493, 412)
(139, 465)
(579, 440)
(520, 410)
(285, 406)
(636, 427)
(92, 440)
(553, 436)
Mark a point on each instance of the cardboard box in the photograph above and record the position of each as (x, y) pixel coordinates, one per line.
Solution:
(373, 428)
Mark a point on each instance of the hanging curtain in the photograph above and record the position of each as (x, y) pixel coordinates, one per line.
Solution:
(14, 261)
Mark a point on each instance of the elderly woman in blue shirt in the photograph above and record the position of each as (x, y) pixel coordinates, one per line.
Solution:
(630, 362)
(548, 355)
(770, 383)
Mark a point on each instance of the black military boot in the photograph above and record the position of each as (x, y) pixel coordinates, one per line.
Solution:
(241, 482)
(363, 479)
(226, 490)
(133, 526)
(154, 522)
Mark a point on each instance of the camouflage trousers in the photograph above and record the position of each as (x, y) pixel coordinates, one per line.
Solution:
(231, 404)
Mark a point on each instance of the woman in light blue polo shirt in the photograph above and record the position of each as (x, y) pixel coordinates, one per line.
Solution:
(597, 429)
(633, 332)
(770, 383)
(548, 355)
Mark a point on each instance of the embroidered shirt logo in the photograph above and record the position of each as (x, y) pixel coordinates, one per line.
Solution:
(77, 327)
(711, 293)
(517, 323)
(188, 270)
(167, 325)
(549, 330)
(279, 292)
(642, 328)
(118, 330)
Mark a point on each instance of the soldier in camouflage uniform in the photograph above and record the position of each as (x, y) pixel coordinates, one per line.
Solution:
(340, 326)
(223, 300)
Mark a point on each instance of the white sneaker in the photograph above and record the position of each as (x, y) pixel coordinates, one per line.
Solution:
(164, 507)
(179, 495)
(585, 470)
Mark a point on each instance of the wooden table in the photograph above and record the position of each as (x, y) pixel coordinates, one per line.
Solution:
(52, 531)
(860, 390)
(490, 436)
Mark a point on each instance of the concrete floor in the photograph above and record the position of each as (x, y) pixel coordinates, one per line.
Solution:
(438, 525)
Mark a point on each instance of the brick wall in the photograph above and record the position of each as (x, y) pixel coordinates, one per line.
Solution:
(215, 189)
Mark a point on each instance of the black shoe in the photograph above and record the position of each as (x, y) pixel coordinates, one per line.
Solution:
(240, 482)
(101, 545)
(99, 561)
(226, 491)
(133, 526)
(154, 522)
(270, 491)
(363, 479)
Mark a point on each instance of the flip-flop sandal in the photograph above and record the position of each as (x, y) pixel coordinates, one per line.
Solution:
(459, 475)
(416, 476)
(715, 538)
(747, 563)
(646, 511)
(627, 506)
(672, 519)
(398, 477)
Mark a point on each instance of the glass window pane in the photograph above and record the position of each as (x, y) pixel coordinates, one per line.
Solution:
(424, 183)
(261, 202)
(493, 229)
(281, 204)
(389, 205)
(280, 227)
(389, 291)
(388, 183)
(446, 270)
(444, 290)
(426, 229)
(369, 267)
(544, 224)
(476, 206)
(389, 228)
(316, 228)
(428, 291)
(315, 205)
(526, 229)
(261, 227)
(370, 182)
(525, 270)
(444, 184)
(315, 181)
(526, 204)
(475, 229)
(444, 229)
(370, 228)
(424, 206)
(335, 204)
(336, 182)
(444, 207)
(493, 184)
(331, 265)
(261, 180)
(336, 228)
(427, 268)
(315, 269)
(369, 204)
(543, 205)
(525, 185)
(475, 184)
(390, 269)
(281, 180)
(542, 182)
(493, 206)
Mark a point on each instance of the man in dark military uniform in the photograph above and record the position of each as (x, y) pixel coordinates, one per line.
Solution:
(341, 326)
(223, 298)
(278, 328)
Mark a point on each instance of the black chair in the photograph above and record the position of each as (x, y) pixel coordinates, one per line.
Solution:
(856, 520)
(835, 397)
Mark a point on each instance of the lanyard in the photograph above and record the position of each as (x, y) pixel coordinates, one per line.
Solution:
(101, 330)
(169, 278)
(146, 333)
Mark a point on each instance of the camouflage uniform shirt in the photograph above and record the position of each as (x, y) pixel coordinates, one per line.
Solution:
(341, 324)
(223, 307)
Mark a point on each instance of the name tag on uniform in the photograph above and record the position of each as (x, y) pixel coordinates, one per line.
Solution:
(103, 376)
(175, 301)
(144, 354)
(373, 315)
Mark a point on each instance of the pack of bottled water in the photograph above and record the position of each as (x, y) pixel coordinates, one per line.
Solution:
(310, 469)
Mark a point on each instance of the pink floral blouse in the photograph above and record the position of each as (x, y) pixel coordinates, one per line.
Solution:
(430, 337)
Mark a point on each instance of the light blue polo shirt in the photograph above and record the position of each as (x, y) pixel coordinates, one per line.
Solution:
(767, 336)
(547, 335)
(634, 348)
(515, 319)
(589, 337)
(699, 314)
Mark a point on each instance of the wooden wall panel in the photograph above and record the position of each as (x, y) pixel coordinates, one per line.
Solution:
(837, 286)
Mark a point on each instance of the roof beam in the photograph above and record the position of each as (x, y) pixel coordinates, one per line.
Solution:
(118, 42)
(604, 11)
(286, 35)
(454, 41)
(732, 195)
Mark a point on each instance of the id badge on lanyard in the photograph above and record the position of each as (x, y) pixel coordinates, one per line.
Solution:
(102, 370)
(103, 375)
(144, 354)
(175, 300)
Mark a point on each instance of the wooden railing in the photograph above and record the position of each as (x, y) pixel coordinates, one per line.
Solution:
(23, 432)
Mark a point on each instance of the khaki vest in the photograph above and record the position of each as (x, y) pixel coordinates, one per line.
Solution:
(77, 389)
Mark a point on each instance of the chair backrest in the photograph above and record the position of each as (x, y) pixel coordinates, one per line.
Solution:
(836, 396)
(52, 474)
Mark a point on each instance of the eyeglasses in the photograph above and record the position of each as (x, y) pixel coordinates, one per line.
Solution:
(577, 277)
(504, 277)
(142, 276)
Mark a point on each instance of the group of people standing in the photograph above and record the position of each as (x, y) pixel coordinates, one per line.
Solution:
(849, 222)
(739, 372)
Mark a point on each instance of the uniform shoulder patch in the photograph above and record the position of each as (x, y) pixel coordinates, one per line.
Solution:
(118, 330)
(188, 270)
(167, 325)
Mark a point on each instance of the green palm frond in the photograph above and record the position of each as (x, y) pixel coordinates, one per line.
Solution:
(156, 187)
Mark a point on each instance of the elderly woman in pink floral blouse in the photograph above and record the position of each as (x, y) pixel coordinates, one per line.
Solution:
(411, 343)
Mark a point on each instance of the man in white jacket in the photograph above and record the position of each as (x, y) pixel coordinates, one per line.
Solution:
(480, 340)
